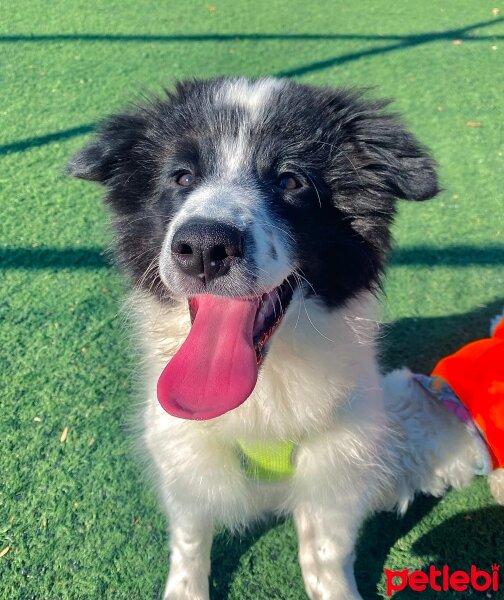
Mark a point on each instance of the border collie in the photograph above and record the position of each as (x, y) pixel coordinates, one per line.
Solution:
(253, 219)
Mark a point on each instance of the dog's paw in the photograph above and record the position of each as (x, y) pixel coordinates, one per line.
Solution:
(185, 588)
(184, 594)
(329, 585)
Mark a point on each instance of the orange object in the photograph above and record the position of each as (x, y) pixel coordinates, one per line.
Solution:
(476, 374)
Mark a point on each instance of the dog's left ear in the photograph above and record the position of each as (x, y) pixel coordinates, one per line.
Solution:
(393, 156)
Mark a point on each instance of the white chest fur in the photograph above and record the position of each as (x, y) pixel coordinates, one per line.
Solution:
(318, 385)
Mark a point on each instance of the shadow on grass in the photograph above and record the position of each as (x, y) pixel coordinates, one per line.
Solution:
(91, 258)
(52, 258)
(401, 42)
(227, 552)
(46, 139)
(376, 539)
(420, 342)
(404, 42)
(472, 537)
(449, 34)
(449, 256)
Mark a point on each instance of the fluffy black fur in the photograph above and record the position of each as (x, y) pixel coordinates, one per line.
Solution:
(352, 158)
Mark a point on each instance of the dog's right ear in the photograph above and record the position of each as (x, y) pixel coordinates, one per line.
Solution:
(90, 163)
(111, 152)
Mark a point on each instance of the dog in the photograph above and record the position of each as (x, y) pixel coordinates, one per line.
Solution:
(253, 218)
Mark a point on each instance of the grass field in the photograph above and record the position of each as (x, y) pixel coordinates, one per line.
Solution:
(76, 518)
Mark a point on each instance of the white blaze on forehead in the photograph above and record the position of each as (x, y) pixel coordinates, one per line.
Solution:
(234, 154)
(253, 96)
(229, 194)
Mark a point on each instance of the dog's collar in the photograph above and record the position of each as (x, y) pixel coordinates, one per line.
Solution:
(267, 461)
(439, 389)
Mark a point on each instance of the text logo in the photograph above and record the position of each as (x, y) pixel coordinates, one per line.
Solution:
(443, 580)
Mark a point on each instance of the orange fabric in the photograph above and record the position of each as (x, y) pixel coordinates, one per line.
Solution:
(476, 375)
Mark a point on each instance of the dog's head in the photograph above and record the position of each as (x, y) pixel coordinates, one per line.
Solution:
(237, 194)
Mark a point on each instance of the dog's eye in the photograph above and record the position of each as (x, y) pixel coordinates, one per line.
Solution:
(287, 181)
(185, 179)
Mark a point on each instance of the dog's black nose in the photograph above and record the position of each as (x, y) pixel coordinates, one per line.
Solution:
(206, 249)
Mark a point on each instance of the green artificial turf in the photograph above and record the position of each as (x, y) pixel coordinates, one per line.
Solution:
(76, 515)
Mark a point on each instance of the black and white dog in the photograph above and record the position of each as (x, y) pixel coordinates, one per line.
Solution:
(253, 218)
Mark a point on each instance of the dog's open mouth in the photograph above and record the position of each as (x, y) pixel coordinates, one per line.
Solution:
(216, 368)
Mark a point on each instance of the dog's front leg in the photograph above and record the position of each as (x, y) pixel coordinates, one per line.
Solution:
(190, 545)
(326, 550)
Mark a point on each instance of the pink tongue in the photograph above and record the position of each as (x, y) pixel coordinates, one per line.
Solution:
(215, 369)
